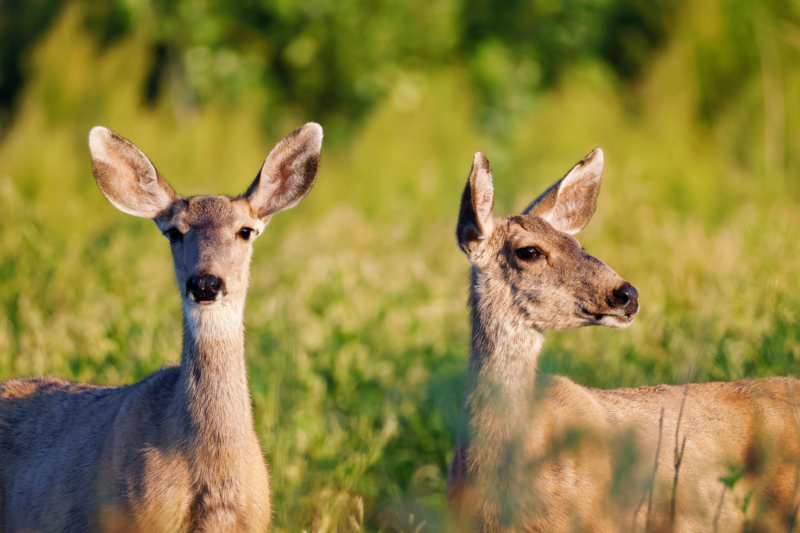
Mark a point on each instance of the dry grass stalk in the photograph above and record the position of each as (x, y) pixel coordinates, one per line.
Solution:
(649, 489)
(719, 507)
(792, 519)
(315, 524)
(678, 453)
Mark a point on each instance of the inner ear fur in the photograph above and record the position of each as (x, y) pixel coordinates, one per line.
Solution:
(126, 176)
(288, 173)
(570, 203)
(475, 218)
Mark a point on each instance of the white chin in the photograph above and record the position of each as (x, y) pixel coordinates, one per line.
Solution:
(614, 321)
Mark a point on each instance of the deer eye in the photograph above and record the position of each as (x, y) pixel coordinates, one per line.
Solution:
(245, 233)
(174, 235)
(529, 253)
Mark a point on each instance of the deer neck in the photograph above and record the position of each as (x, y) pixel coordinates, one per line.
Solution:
(504, 350)
(214, 395)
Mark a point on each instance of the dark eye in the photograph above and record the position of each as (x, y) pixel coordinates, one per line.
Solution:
(245, 233)
(174, 235)
(528, 253)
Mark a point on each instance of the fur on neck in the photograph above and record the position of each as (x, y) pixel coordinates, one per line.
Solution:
(504, 347)
(215, 394)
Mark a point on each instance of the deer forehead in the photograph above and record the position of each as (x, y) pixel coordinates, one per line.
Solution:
(210, 212)
(526, 230)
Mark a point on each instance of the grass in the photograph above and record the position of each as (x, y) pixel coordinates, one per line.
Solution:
(357, 329)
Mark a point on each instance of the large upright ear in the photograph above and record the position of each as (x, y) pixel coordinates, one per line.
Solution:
(475, 221)
(126, 177)
(569, 204)
(288, 173)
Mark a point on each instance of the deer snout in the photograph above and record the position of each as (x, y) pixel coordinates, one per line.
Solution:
(204, 288)
(626, 297)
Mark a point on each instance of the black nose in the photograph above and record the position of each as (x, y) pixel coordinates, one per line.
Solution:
(204, 288)
(627, 297)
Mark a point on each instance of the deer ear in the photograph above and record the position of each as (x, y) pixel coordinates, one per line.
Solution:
(126, 177)
(475, 222)
(569, 204)
(288, 173)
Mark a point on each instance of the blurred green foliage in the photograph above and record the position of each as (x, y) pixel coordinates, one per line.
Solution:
(357, 329)
(336, 59)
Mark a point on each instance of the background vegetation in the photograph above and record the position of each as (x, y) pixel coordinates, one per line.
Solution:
(356, 321)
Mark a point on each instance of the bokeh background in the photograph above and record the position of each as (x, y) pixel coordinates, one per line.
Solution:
(357, 331)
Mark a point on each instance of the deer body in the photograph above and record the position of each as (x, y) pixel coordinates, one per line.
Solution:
(176, 452)
(541, 453)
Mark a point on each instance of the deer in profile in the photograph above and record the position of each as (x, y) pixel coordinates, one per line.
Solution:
(542, 453)
(178, 451)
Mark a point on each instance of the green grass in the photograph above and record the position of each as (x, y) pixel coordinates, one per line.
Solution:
(356, 322)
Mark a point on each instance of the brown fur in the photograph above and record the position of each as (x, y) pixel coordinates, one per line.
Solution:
(178, 451)
(541, 453)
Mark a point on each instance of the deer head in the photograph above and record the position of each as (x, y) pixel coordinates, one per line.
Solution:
(529, 270)
(211, 237)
